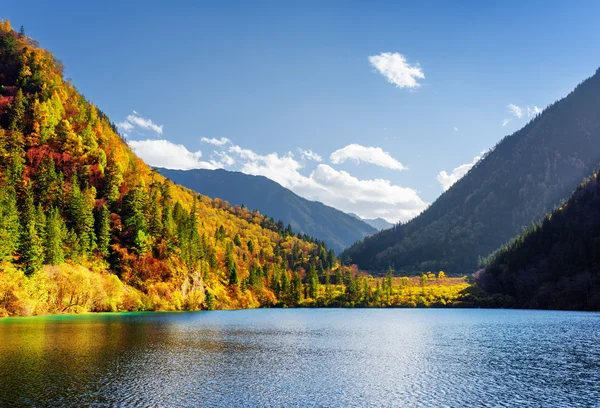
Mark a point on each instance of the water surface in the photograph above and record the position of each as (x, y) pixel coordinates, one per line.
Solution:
(339, 357)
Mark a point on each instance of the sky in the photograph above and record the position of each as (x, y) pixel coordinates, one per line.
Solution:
(373, 107)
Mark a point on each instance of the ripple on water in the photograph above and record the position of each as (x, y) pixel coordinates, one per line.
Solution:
(345, 358)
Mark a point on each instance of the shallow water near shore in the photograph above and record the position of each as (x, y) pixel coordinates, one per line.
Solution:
(303, 357)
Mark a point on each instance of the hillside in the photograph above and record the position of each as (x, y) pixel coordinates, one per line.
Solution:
(524, 177)
(87, 225)
(556, 263)
(338, 229)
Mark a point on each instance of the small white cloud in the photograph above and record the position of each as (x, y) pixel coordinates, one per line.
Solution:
(533, 111)
(515, 110)
(447, 180)
(455, 129)
(125, 126)
(216, 142)
(395, 68)
(163, 153)
(135, 120)
(373, 155)
(506, 121)
(310, 155)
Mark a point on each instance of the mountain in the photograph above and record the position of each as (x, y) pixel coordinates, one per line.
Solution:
(87, 225)
(377, 223)
(554, 264)
(338, 229)
(524, 177)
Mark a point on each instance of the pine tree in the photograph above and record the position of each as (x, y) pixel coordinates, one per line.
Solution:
(210, 300)
(134, 203)
(296, 289)
(81, 216)
(31, 247)
(17, 112)
(9, 224)
(55, 234)
(103, 231)
(233, 275)
(313, 282)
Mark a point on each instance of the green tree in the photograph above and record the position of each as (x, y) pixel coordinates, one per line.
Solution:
(9, 224)
(31, 247)
(80, 206)
(313, 282)
(55, 234)
(134, 204)
(17, 112)
(296, 289)
(233, 275)
(103, 231)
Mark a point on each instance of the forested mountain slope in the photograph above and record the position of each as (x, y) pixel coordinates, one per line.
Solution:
(338, 229)
(524, 177)
(556, 263)
(118, 234)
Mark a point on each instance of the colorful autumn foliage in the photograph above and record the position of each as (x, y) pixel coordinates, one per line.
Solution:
(73, 194)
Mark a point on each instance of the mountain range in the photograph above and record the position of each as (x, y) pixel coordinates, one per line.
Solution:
(518, 182)
(377, 223)
(336, 228)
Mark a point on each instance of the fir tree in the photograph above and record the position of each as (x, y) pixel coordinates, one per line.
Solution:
(103, 231)
(9, 224)
(55, 234)
(31, 248)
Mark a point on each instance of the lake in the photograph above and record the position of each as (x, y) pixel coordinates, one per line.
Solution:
(303, 357)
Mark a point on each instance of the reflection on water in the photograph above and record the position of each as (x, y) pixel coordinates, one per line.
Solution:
(303, 358)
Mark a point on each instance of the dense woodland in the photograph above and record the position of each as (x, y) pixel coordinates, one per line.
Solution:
(336, 228)
(526, 175)
(555, 264)
(85, 225)
(73, 194)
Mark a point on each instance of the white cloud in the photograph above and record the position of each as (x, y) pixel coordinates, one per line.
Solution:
(395, 68)
(225, 159)
(216, 142)
(373, 155)
(125, 126)
(135, 120)
(505, 122)
(447, 180)
(533, 111)
(310, 155)
(163, 153)
(367, 198)
(455, 129)
(515, 110)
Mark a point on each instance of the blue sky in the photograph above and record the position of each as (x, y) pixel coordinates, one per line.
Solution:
(275, 77)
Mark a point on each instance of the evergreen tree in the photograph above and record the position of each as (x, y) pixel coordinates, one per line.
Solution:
(313, 282)
(55, 234)
(233, 275)
(31, 247)
(80, 206)
(17, 112)
(9, 224)
(296, 289)
(103, 231)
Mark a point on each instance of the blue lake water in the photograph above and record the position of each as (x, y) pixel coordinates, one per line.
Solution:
(303, 357)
